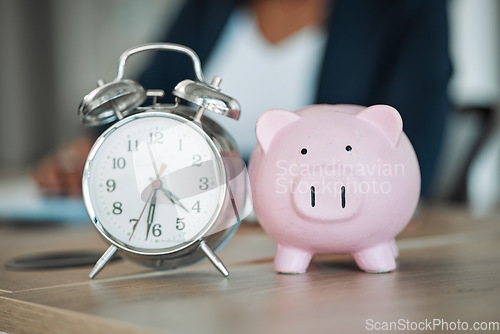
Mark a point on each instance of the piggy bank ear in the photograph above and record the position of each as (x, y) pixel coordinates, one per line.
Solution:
(269, 124)
(386, 119)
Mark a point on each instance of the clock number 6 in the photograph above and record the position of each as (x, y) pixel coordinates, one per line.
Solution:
(156, 230)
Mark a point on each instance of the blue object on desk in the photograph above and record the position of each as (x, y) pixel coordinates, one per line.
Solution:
(21, 201)
(67, 210)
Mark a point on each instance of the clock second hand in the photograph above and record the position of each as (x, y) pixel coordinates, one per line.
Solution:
(138, 219)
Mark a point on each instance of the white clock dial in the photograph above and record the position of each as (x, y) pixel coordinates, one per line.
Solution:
(154, 183)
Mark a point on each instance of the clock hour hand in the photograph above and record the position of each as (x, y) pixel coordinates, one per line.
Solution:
(151, 213)
(174, 199)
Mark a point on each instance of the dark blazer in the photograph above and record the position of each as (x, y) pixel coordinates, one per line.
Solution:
(378, 52)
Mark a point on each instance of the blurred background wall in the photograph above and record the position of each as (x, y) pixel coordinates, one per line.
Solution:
(53, 51)
(470, 166)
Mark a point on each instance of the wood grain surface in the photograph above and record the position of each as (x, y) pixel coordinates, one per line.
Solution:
(449, 269)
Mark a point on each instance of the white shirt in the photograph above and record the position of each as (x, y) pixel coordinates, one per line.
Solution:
(263, 76)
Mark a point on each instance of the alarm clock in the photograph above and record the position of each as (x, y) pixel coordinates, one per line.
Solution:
(164, 184)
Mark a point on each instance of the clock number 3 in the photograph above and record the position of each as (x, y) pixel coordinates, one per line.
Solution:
(203, 183)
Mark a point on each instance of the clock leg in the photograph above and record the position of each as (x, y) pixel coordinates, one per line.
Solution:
(214, 258)
(108, 254)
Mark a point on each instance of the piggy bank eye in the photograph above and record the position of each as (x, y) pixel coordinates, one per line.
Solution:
(303, 151)
(348, 148)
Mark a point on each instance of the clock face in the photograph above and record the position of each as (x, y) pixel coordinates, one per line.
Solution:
(153, 183)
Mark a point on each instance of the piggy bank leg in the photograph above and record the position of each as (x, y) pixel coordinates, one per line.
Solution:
(377, 259)
(290, 260)
(394, 248)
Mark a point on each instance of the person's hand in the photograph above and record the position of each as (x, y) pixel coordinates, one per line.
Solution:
(61, 172)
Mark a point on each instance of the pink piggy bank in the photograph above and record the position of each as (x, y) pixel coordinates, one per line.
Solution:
(334, 179)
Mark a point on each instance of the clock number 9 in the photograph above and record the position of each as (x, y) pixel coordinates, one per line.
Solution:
(117, 208)
(111, 184)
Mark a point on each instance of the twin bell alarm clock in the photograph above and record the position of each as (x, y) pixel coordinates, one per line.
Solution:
(164, 184)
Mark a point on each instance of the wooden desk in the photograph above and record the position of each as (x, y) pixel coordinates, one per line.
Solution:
(449, 269)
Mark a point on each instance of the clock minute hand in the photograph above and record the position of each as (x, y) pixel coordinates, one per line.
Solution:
(150, 151)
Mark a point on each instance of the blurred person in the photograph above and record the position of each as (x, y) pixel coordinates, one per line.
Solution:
(292, 53)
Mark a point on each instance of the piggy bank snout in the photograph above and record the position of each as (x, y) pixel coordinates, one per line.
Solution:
(326, 197)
